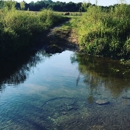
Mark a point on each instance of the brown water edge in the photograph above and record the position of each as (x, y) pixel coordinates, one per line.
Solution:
(56, 40)
(60, 41)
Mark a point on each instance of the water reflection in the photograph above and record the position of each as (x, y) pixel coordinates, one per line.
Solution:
(60, 95)
(105, 72)
(14, 72)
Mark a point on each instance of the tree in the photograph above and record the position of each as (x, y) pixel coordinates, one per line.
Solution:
(10, 4)
(22, 5)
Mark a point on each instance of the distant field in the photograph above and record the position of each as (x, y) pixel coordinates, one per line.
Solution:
(71, 13)
(62, 13)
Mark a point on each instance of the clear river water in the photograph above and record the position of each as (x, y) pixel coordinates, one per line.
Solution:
(64, 91)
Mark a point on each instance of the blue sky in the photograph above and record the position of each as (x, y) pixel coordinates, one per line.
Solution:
(100, 2)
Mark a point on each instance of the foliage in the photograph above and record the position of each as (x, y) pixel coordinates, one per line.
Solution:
(106, 33)
(20, 29)
(56, 6)
(22, 5)
(48, 4)
(71, 24)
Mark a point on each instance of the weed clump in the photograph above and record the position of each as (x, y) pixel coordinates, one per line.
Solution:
(19, 29)
(106, 32)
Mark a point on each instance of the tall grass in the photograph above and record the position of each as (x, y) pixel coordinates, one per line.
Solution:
(19, 29)
(106, 33)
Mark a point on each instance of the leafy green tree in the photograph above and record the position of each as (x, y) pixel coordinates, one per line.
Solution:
(22, 5)
(9, 5)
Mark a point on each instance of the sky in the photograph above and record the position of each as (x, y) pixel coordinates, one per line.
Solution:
(100, 2)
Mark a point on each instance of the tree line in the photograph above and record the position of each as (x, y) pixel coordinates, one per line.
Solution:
(56, 6)
(48, 4)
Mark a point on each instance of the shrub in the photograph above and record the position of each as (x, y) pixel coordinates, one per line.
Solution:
(105, 32)
(20, 29)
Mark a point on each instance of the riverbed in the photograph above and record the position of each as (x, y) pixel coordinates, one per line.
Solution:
(65, 91)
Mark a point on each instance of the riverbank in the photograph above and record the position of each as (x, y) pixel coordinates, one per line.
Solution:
(62, 37)
(106, 32)
(20, 31)
(100, 32)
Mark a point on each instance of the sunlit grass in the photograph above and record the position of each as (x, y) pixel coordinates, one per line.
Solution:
(71, 24)
(19, 29)
(106, 33)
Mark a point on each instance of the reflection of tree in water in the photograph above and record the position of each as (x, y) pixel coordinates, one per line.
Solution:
(16, 71)
(97, 71)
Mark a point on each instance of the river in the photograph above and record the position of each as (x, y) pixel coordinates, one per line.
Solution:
(64, 91)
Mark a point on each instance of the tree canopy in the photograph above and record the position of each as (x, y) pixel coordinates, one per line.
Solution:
(56, 6)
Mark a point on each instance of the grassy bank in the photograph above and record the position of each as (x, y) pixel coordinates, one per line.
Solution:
(19, 30)
(106, 33)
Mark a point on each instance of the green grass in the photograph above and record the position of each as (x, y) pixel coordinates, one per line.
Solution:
(72, 23)
(100, 32)
(71, 13)
(19, 29)
(106, 33)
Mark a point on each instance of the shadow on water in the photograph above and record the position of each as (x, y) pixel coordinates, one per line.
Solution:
(63, 108)
(99, 71)
(14, 72)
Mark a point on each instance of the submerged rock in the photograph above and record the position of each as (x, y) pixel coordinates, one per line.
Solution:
(102, 102)
(126, 97)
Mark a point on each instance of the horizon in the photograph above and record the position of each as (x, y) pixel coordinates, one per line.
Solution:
(100, 2)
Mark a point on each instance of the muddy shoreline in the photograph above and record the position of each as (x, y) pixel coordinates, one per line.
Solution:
(56, 40)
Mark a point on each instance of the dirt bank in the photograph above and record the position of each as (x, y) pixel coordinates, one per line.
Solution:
(59, 40)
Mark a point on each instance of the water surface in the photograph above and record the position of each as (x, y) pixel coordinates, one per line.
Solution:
(59, 92)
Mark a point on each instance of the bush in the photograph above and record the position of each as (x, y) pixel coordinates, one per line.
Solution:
(105, 32)
(19, 29)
